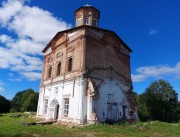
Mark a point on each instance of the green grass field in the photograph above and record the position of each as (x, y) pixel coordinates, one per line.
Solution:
(11, 127)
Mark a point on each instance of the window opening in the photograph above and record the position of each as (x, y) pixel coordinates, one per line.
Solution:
(70, 60)
(66, 106)
(58, 72)
(87, 21)
(49, 71)
(94, 23)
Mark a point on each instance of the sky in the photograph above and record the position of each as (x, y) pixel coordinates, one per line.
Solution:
(151, 28)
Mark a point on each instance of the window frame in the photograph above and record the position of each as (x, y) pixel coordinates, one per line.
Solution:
(87, 21)
(58, 68)
(49, 72)
(70, 64)
(66, 107)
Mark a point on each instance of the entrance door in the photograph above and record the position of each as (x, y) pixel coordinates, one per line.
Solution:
(112, 110)
(56, 112)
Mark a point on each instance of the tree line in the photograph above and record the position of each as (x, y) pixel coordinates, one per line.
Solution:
(25, 100)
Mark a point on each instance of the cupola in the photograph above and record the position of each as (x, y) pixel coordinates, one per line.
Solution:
(87, 15)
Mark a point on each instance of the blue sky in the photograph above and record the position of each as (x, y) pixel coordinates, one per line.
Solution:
(151, 28)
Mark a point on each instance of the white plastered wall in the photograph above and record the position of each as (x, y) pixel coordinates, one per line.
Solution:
(75, 90)
(115, 88)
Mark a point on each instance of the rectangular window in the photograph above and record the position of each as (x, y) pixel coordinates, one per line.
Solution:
(70, 63)
(49, 72)
(86, 21)
(66, 106)
(79, 22)
(94, 23)
(45, 106)
(58, 69)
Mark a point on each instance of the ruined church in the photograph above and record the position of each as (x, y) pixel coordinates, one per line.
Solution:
(86, 74)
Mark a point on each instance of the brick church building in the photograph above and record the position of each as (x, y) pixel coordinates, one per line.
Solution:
(86, 74)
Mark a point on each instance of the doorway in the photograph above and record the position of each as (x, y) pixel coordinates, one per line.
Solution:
(56, 112)
(112, 109)
(124, 111)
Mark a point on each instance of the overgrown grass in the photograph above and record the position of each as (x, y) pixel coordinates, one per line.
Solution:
(11, 127)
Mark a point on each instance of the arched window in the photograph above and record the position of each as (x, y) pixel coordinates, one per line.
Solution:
(58, 69)
(49, 72)
(70, 63)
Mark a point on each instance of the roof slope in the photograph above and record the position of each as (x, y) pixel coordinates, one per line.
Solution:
(84, 27)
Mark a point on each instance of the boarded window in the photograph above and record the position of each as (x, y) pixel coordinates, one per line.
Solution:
(66, 106)
(70, 63)
(58, 71)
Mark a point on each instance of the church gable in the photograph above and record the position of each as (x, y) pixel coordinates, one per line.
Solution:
(65, 36)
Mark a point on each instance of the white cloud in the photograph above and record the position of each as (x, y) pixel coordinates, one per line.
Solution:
(11, 77)
(1, 89)
(8, 58)
(8, 10)
(37, 24)
(33, 28)
(32, 76)
(153, 32)
(156, 71)
(16, 79)
(5, 39)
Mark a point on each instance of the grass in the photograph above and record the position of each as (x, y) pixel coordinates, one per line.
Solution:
(11, 127)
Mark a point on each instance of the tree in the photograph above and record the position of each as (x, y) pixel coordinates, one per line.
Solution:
(30, 104)
(178, 110)
(158, 102)
(4, 105)
(143, 111)
(25, 101)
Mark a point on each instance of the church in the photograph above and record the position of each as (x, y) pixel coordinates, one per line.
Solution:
(86, 75)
